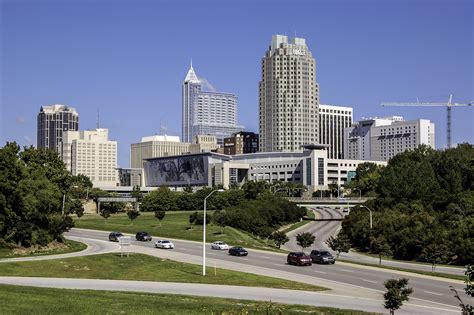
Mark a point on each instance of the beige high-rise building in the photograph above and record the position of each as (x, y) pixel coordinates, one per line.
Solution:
(332, 122)
(91, 153)
(289, 96)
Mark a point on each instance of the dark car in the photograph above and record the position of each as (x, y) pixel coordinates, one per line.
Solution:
(114, 236)
(298, 258)
(238, 251)
(322, 257)
(143, 236)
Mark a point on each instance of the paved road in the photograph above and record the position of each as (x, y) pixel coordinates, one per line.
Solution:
(224, 291)
(344, 278)
(323, 229)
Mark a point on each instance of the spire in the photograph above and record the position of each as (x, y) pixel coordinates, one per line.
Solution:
(191, 76)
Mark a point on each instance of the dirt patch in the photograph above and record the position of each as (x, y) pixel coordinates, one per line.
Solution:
(51, 247)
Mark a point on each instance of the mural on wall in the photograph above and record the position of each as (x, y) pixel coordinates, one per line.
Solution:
(177, 171)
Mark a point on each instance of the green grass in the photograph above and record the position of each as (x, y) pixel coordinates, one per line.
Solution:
(174, 225)
(142, 267)
(427, 273)
(30, 300)
(71, 246)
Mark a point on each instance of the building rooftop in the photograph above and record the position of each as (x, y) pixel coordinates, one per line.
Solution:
(165, 138)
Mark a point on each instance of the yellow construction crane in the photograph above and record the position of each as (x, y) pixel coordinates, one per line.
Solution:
(448, 106)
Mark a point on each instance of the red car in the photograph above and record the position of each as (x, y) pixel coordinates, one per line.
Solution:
(298, 258)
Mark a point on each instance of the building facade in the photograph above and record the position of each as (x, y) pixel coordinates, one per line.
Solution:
(288, 96)
(156, 146)
(380, 139)
(309, 166)
(207, 112)
(332, 122)
(241, 143)
(91, 153)
(130, 177)
(52, 122)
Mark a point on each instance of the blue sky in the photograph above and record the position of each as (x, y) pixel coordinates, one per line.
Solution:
(127, 59)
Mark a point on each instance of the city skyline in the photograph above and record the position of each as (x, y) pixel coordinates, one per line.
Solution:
(365, 54)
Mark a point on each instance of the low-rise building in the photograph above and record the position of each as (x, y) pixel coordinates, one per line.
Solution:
(241, 143)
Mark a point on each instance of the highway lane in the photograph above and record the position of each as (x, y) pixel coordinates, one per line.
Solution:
(425, 288)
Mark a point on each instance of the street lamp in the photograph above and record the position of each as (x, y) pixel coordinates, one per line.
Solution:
(204, 233)
(370, 213)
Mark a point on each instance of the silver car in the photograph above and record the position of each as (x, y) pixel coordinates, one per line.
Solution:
(219, 245)
(164, 244)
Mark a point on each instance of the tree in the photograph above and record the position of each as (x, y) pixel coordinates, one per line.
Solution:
(105, 213)
(254, 188)
(197, 218)
(305, 239)
(381, 247)
(132, 214)
(160, 215)
(161, 199)
(435, 253)
(75, 206)
(279, 238)
(339, 244)
(137, 193)
(397, 293)
(219, 218)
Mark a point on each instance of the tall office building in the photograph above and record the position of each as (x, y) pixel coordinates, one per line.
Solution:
(91, 153)
(380, 139)
(289, 96)
(52, 121)
(241, 143)
(332, 122)
(207, 112)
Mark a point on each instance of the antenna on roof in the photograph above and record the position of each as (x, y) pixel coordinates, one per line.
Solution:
(97, 119)
(191, 62)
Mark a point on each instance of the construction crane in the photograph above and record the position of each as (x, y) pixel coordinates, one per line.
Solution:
(448, 106)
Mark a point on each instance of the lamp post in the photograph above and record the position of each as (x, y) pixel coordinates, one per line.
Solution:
(204, 232)
(370, 213)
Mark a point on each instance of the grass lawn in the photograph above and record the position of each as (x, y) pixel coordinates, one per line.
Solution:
(174, 225)
(142, 267)
(71, 246)
(30, 300)
(428, 273)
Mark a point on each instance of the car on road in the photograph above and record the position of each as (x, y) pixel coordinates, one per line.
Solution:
(143, 236)
(219, 245)
(238, 251)
(164, 244)
(322, 257)
(298, 258)
(345, 210)
(114, 236)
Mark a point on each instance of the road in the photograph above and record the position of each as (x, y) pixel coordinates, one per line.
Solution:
(323, 229)
(344, 278)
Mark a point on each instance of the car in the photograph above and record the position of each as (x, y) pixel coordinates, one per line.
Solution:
(164, 244)
(219, 245)
(114, 236)
(238, 251)
(143, 236)
(298, 258)
(322, 257)
(345, 210)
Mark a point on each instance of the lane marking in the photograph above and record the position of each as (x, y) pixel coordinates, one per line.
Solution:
(244, 259)
(429, 292)
(319, 271)
(347, 270)
(279, 265)
(369, 281)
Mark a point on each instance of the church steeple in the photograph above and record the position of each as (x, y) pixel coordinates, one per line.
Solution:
(191, 76)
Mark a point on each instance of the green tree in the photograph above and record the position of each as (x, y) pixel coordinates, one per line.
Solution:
(132, 214)
(160, 199)
(381, 247)
(219, 218)
(435, 253)
(252, 189)
(397, 293)
(75, 206)
(137, 193)
(339, 244)
(160, 215)
(105, 213)
(197, 218)
(305, 240)
(279, 238)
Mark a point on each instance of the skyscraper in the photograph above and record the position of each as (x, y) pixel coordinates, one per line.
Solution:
(207, 112)
(52, 121)
(332, 122)
(289, 96)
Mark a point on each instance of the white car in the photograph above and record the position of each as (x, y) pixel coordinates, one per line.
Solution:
(219, 245)
(164, 244)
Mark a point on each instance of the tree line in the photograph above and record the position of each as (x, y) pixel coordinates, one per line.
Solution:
(424, 206)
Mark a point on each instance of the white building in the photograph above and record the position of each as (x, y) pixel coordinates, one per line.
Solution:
(310, 167)
(332, 122)
(380, 139)
(91, 153)
(289, 96)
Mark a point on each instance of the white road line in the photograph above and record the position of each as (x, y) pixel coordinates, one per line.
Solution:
(369, 281)
(433, 293)
(279, 265)
(266, 257)
(319, 271)
(243, 259)
(346, 270)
